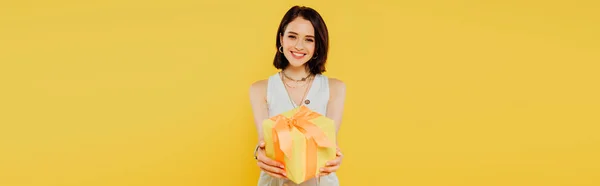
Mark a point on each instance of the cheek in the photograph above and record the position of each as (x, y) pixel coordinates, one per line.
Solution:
(287, 46)
(287, 42)
(311, 47)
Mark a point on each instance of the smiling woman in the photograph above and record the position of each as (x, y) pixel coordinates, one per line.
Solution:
(302, 44)
(302, 38)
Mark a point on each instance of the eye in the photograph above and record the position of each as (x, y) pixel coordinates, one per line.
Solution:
(310, 40)
(292, 37)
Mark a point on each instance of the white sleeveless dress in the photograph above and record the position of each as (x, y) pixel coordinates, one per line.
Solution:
(278, 102)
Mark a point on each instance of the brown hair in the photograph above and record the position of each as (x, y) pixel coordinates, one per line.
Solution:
(317, 65)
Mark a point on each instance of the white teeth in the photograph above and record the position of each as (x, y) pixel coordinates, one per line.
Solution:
(299, 55)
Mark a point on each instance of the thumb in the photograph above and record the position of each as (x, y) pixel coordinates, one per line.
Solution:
(261, 144)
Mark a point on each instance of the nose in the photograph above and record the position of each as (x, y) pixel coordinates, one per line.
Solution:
(299, 45)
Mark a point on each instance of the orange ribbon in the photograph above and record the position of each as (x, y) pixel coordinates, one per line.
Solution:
(314, 137)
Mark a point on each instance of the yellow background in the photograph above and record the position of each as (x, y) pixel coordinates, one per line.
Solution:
(457, 93)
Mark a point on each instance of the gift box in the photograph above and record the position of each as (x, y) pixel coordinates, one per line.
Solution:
(302, 140)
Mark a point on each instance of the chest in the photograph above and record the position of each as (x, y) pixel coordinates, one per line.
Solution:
(281, 98)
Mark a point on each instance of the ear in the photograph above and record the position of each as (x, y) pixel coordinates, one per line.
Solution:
(281, 39)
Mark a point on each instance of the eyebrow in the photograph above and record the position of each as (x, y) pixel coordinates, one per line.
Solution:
(291, 32)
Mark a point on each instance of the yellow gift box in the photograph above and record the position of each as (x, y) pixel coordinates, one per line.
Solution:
(302, 140)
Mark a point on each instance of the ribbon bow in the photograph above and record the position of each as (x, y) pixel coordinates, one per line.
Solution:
(301, 120)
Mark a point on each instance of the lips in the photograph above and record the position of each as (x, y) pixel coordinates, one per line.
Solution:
(298, 55)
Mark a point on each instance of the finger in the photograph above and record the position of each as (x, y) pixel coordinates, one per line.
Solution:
(329, 169)
(270, 162)
(332, 163)
(274, 174)
(271, 169)
(266, 160)
(323, 174)
(261, 144)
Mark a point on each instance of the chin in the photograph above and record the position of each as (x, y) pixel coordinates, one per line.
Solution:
(297, 63)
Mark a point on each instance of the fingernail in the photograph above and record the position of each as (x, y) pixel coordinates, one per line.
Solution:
(322, 169)
(328, 164)
(284, 174)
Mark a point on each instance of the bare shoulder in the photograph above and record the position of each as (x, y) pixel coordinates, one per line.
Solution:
(337, 87)
(337, 96)
(259, 85)
(258, 89)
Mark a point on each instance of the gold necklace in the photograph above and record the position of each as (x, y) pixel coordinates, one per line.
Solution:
(296, 84)
(303, 97)
(290, 78)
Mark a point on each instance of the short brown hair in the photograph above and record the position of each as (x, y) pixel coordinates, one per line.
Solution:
(317, 65)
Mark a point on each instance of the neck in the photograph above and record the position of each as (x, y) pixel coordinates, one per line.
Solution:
(296, 72)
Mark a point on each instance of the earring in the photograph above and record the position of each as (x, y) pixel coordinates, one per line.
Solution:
(281, 49)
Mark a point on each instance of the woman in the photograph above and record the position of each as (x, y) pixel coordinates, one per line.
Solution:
(302, 45)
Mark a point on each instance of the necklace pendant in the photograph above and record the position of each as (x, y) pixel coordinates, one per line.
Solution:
(307, 101)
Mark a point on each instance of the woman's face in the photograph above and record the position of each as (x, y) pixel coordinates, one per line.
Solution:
(298, 41)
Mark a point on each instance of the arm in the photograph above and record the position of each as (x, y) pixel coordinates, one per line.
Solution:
(335, 108)
(258, 101)
(337, 96)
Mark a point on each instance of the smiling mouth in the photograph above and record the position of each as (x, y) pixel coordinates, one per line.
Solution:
(298, 55)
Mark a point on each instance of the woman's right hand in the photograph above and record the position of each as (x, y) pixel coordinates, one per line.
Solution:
(267, 164)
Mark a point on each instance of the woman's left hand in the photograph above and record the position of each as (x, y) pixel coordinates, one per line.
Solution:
(333, 165)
